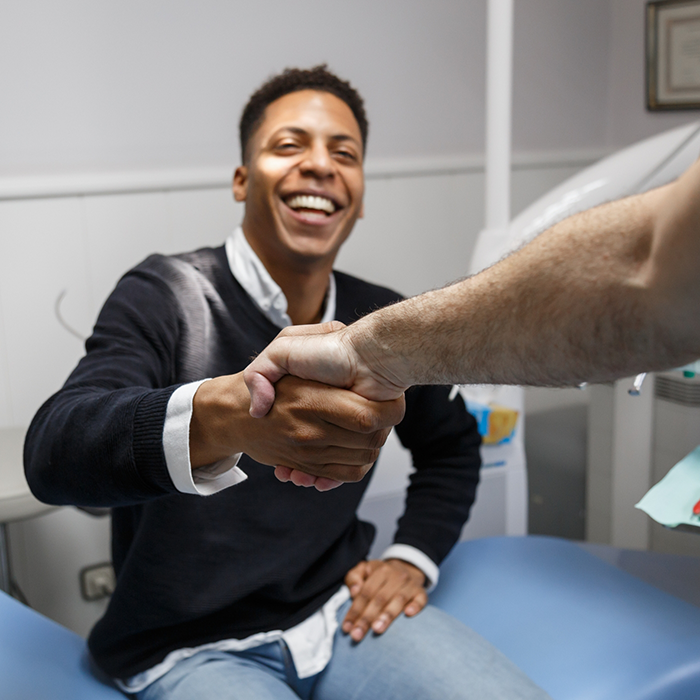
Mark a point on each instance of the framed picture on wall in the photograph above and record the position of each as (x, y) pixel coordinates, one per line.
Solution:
(673, 54)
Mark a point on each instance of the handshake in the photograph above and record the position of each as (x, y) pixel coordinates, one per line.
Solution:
(344, 405)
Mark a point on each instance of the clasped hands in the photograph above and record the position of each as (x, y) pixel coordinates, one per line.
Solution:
(381, 591)
(326, 354)
(321, 427)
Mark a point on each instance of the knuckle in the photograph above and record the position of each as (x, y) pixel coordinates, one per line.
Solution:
(401, 599)
(370, 456)
(366, 420)
(374, 565)
(377, 439)
(380, 600)
(413, 590)
(398, 409)
(361, 600)
(303, 436)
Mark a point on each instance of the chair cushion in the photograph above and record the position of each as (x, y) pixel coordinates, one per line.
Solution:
(40, 660)
(579, 627)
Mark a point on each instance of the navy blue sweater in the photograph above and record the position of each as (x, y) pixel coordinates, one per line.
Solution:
(261, 555)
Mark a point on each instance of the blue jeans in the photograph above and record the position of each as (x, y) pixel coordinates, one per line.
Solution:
(429, 656)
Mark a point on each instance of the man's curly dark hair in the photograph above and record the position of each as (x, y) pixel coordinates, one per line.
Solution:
(293, 80)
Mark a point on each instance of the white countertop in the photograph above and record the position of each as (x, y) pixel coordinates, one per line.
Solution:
(16, 500)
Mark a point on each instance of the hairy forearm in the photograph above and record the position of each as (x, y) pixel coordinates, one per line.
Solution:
(607, 293)
(604, 294)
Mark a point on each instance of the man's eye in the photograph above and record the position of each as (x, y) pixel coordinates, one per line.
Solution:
(287, 147)
(346, 154)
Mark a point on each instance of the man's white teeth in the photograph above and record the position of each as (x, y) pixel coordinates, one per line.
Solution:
(308, 201)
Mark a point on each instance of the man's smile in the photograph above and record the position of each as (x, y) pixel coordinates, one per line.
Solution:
(312, 207)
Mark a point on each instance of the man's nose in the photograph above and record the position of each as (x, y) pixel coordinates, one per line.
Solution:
(317, 161)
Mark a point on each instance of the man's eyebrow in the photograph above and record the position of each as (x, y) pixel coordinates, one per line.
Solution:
(298, 131)
(295, 130)
(344, 137)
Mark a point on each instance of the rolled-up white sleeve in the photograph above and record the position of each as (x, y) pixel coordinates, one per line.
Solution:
(414, 556)
(204, 481)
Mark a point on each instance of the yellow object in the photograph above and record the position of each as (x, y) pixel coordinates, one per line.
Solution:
(501, 424)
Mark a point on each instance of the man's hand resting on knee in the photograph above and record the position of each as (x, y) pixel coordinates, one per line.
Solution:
(381, 591)
(325, 434)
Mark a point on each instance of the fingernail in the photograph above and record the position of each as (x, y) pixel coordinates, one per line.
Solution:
(378, 626)
(347, 626)
(357, 634)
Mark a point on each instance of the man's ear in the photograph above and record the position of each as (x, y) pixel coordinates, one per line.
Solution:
(361, 215)
(240, 183)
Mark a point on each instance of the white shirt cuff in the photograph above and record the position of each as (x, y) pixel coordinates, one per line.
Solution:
(204, 481)
(414, 556)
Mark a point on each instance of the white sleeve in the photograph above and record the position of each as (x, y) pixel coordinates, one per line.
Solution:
(414, 556)
(205, 481)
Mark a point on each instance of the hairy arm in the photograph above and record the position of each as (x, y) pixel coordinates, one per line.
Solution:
(608, 293)
(604, 294)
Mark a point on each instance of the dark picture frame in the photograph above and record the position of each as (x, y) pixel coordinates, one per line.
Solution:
(673, 54)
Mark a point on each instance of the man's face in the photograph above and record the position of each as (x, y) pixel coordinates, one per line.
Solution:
(303, 182)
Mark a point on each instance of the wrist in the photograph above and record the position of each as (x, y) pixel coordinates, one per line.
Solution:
(376, 361)
(219, 411)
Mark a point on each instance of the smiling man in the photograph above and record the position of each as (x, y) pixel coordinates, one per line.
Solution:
(262, 590)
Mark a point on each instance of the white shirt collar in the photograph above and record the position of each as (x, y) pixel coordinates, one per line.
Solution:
(253, 276)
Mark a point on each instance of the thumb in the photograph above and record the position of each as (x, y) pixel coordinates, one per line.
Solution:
(273, 363)
(260, 384)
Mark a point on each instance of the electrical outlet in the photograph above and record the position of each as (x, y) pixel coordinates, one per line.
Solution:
(97, 581)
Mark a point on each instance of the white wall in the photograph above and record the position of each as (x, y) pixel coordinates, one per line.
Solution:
(134, 84)
(97, 85)
(561, 58)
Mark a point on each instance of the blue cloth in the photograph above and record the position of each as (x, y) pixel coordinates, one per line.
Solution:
(429, 656)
